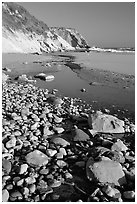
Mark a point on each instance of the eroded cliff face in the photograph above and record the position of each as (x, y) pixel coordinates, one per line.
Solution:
(74, 38)
(22, 32)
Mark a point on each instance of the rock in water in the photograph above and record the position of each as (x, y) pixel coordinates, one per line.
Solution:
(105, 123)
(37, 158)
(105, 172)
(80, 135)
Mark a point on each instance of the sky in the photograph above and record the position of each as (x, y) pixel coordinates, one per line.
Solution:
(102, 24)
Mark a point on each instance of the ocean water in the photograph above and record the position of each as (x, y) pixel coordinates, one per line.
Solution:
(70, 83)
(117, 62)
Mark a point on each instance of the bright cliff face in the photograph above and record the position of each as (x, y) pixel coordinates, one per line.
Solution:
(22, 32)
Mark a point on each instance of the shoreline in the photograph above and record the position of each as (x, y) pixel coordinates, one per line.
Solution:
(49, 143)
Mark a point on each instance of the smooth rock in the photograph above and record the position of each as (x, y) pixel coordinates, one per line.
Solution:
(36, 158)
(119, 146)
(23, 168)
(80, 135)
(44, 171)
(30, 180)
(105, 123)
(60, 141)
(59, 155)
(20, 182)
(61, 163)
(51, 152)
(58, 130)
(105, 172)
(5, 195)
(6, 165)
(63, 151)
(32, 188)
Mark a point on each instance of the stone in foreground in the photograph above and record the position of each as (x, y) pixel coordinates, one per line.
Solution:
(37, 158)
(105, 171)
(105, 123)
(5, 195)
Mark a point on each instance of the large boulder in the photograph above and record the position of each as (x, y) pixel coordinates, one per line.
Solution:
(105, 123)
(105, 171)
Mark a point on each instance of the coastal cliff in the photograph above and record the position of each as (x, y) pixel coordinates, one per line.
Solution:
(22, 32)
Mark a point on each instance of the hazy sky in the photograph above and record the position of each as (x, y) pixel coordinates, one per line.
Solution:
(104, 24)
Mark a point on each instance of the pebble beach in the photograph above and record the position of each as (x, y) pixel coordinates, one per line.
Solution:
(59, 149)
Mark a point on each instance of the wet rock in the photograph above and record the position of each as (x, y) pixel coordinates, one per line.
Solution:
(23, 168)
(105, 123)
(60, 141)
(105, 172)
(80, 135)
(36, 158)
(129, 194)
(5, 195)
(44, 77)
